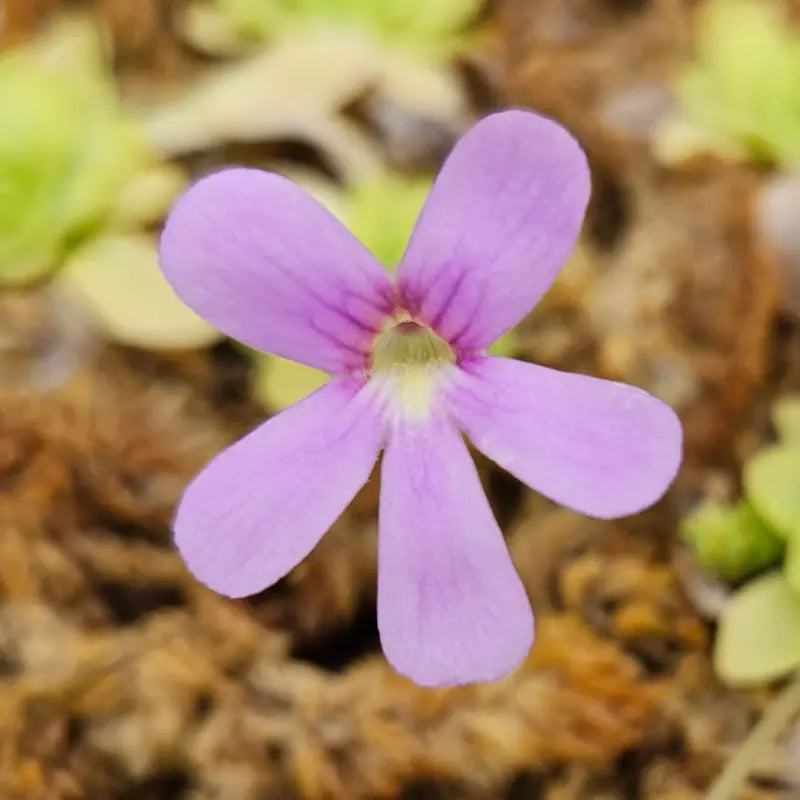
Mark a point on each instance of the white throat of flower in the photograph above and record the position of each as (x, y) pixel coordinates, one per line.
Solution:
(410, 360)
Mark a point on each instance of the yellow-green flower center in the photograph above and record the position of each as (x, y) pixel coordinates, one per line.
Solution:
(410, 359)
(409, 344)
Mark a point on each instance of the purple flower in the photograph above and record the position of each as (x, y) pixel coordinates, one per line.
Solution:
(261, 260)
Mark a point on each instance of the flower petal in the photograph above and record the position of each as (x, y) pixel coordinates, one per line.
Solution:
(451, 607)
(605, 449)
(501, 219)
(264, 262)
(260, 506)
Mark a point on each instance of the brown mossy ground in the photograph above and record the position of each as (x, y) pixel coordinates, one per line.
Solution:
(122, 678)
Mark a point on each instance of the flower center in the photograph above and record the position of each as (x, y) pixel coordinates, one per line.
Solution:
(409, 361)
(409, 344)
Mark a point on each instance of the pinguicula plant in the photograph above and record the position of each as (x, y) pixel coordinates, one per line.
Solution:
(380, 212)
(740, 96)
(409, 376)
(65, 149)
(78, 186)
(758, 638)
(115, 279)
(759, 628)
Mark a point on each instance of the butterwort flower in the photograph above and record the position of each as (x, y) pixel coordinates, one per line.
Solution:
(264, 262)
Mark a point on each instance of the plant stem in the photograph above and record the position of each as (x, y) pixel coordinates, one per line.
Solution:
(778, 715)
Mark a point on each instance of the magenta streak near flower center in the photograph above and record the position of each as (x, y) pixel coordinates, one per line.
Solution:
(264, 262)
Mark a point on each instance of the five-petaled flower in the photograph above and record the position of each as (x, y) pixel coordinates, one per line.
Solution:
(264, 262)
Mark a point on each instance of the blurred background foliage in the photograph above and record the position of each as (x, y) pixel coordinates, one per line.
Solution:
(393, 19)
(67, 150)
(660, 638)
(741, 94)
(759, 634)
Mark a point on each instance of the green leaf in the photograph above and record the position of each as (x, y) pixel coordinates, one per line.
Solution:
(731, 541)
(791, 564)
(759, 632)
(786, 416)
(279, 382)
(506, 346)
(147, 196)
(772, 482)
(743, 89)
(382, 210)
(65, 148)
(678, 140)
(117, 280)
(399, 20)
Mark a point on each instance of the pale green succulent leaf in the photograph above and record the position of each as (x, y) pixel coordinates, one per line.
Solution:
(279, 382)
(34, 166)
(111, 153)
(791, 564)
(731, 541)
(742, 91)
(382, 210)
(393, 19)
(758, 638)
(65, 149)
(786, 417)
(678, 139)
(506, 346)
(147, 196)
(772, 483)
(117, 281)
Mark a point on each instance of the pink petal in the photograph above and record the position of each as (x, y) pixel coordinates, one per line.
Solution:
(605, 449)
(500, 221)
(260, 506)
(451, 608)
(268, 265)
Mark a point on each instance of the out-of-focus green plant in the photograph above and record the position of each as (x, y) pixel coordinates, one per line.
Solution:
(117, 280)
(436, 21)
(758, 638)
(786, 418)
(380, 212)
(77, 181)
(65, 149)
(741, 96)
(772, 481)
(732, 540)
(759, 630)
